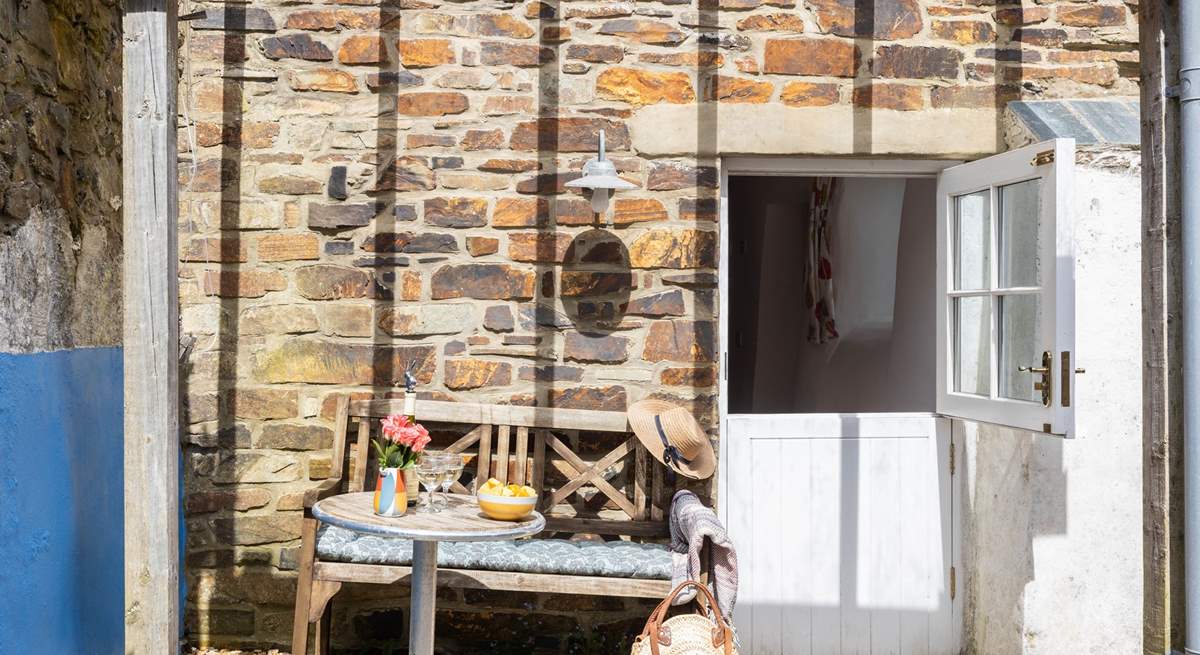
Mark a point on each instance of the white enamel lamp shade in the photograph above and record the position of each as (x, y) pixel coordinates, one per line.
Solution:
(600, 176)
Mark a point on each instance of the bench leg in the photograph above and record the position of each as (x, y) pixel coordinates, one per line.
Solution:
(320, 613)
(321, 632)
(304, 586)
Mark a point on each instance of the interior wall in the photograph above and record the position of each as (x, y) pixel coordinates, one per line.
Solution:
(768, 318)
(883, 244)
(912, 356)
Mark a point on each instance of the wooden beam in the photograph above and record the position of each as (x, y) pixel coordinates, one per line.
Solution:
(522, 456)
(501, 458)
(151, 336)
(440, 411)
(619, 526)
(1162, 397)
(362, 453)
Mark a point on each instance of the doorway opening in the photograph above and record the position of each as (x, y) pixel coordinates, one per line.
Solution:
(836, 477)
(882, 252)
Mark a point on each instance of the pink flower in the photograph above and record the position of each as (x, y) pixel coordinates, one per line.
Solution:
(398, 429)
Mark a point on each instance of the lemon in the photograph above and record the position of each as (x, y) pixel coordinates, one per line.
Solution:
(493, 487)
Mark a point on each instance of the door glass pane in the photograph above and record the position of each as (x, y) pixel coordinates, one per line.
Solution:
(972, 327)
(1020, 318)
(1018, 232)
(972, 240)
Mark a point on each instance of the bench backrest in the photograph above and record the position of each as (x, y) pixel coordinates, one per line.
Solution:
(593, 476)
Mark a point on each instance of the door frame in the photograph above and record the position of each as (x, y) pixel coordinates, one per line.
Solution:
(798, 166)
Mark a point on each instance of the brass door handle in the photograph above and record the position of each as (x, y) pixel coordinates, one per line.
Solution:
(1043, 384)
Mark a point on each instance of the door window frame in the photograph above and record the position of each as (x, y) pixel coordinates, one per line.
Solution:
(1056, 288)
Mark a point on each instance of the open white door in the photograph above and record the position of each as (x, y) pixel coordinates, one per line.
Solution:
(1005, 285)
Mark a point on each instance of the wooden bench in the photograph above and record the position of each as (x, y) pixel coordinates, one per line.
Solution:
(593, 476)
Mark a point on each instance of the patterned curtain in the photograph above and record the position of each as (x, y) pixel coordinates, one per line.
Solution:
(819, 271)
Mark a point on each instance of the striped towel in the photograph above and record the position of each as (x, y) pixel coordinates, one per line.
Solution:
(691, 524)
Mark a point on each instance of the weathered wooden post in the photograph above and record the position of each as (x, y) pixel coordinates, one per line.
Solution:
(151, 329)
(1162, 388)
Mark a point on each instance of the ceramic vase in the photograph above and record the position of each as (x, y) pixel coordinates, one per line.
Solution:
(391, 492)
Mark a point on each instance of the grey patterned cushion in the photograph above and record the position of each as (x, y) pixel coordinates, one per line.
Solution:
(613, 559)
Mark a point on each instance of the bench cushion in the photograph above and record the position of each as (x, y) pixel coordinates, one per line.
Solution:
(612, 559)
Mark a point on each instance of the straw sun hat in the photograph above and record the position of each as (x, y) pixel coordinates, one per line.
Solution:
(674, 437)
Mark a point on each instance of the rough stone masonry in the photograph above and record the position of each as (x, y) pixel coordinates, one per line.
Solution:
(369, 184)
(60, 175)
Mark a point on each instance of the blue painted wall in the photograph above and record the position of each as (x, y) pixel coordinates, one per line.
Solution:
(61, 512)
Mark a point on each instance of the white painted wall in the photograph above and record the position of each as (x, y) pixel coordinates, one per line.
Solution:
(1052, 544)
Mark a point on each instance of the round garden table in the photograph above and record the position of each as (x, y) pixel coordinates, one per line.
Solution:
(461, 521)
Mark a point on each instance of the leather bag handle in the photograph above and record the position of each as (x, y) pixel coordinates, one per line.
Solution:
(653, 628)
(705, 595)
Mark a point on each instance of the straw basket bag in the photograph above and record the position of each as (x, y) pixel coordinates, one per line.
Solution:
(686, 634)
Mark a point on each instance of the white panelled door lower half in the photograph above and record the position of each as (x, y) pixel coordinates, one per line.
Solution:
(845, 531)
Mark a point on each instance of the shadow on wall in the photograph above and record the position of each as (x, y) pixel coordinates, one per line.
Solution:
(596, 260)
(1020, 484)
(875, 21)
(1020, 487)
(589, 274)
(216, 451)
(1020, 506)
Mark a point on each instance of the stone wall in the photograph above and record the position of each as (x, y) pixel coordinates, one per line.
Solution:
(368, 184)
(60, 174)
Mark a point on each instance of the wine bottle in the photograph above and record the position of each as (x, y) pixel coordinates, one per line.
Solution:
(410, 394)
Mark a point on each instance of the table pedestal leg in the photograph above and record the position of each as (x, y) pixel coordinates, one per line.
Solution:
(424, 596)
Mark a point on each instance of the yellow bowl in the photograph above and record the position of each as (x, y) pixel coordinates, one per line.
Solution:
(507, 508)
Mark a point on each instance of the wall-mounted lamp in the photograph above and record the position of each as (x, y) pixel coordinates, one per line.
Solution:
(600, 176)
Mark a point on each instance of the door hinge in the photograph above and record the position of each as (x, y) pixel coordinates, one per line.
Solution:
(1043, 158)
(953, 583)
(952, 455)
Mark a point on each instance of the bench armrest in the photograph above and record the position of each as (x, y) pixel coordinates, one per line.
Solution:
(324, 490)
